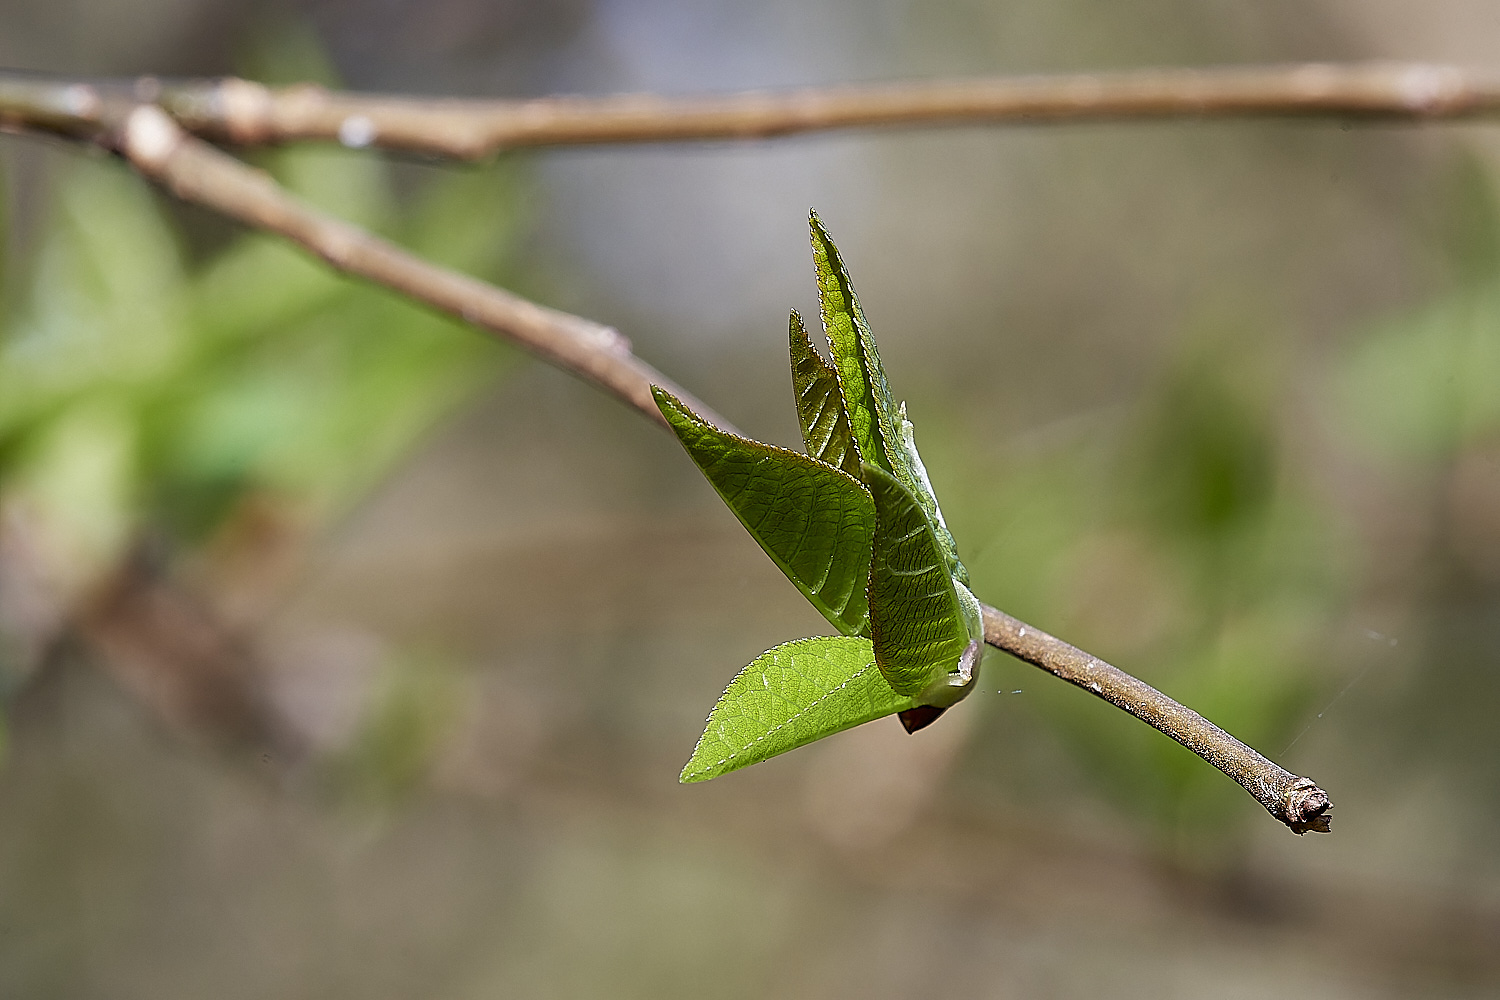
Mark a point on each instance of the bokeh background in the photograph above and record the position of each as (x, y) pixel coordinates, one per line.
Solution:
(346, 653)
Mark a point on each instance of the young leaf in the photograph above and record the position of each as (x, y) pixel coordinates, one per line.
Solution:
(814, 521)
(880, 428)
(918, 621)
(820, 408)
(867, 397)
(928, 499)
(789, 696)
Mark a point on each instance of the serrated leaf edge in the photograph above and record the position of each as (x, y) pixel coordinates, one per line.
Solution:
(871, 409)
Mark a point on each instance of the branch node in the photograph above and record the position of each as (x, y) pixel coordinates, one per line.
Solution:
(1430, 89)
(357, 131)
(149, 136)
(247, 109)
(82, 101)
(610, 339)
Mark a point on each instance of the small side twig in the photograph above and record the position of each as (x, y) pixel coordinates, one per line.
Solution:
(197, 172)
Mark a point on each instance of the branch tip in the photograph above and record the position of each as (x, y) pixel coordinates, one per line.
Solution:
(1305, 807)
(1296, 801)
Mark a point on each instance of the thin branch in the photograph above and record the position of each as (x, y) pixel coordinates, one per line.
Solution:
(1296, 801)
(197, 172)
(247, 113)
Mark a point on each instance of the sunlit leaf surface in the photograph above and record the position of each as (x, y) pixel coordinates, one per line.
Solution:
(789, 696)
(813, 520)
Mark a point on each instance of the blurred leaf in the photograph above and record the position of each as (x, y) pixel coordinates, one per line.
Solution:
(1173, 540)
(470, 217)
(5, 274)
(1422, 385)
(144, 394)
(412, 710)
(79, 476)
(262, 372)
(348, 183)
(789, 696)
(1425, 385)
(1209, 467)
(106, 307)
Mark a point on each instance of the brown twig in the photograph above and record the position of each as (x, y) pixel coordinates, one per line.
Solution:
(197, 172)
(248, 113)
(1296, 801)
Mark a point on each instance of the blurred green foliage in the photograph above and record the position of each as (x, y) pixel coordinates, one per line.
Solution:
(134, 388)
(1422, 385)
(147, 394)
(415, 704)
(1418, 403)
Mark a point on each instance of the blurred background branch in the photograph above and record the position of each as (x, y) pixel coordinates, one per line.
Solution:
(247, 113)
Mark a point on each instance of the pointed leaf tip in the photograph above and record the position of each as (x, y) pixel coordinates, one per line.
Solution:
(882, 434)
(861, 380)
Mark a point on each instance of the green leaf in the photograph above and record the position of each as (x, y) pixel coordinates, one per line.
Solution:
(867, 397)
(820, 408)
(789, 696)
(857, 512)
(923, 491)
(814, 521)
(879, 427)
(920, 623)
